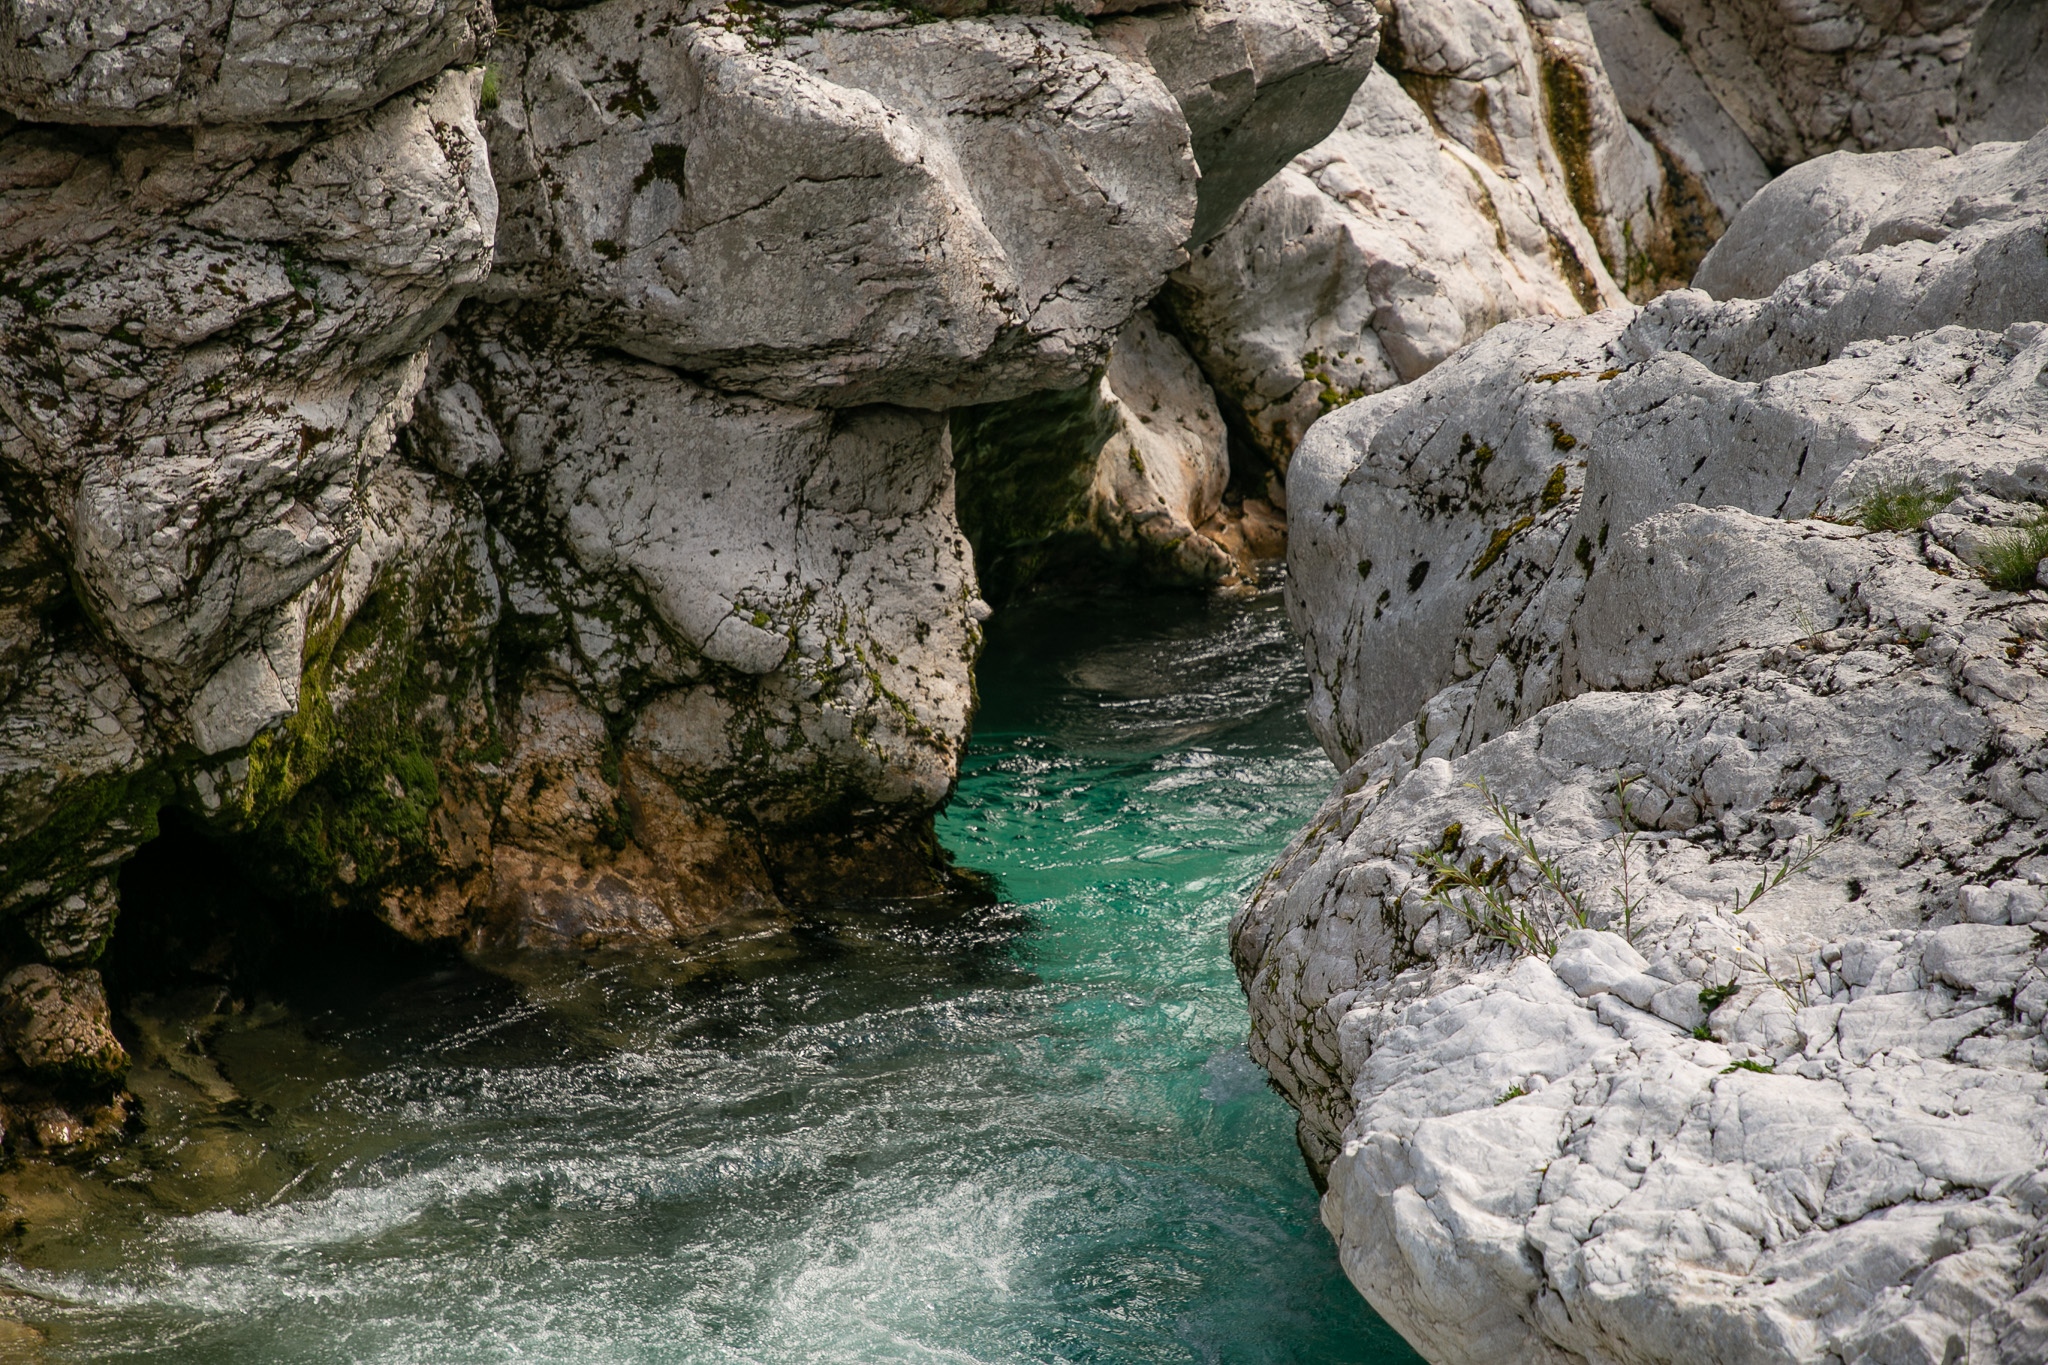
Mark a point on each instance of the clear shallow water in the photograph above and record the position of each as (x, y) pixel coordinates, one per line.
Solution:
(1019, 1133)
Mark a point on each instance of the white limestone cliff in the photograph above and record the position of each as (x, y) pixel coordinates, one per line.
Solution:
(1517, 158)
(1666, 979)
(494, 469)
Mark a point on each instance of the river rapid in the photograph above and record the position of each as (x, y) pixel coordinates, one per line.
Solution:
(949, 1133)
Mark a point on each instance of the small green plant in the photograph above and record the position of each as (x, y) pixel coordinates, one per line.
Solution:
(1796, 987)
(2008, 563)
(1513, 1092)
(1904, 505)
(1481, 895)
(1713, 997)
(1795, 862)
(487, 93)
(1760, 1068)
(1625, 842)
(1703, 1033)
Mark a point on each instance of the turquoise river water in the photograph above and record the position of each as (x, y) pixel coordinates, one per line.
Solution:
(1018, 1133)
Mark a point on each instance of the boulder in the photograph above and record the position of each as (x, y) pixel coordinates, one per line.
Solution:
(1486, 170)
(740, 636)
(58, 1025)
(838, 214)
(1663, 980)
(214, 337)
(1801, 80)
(180, 63)
(1258, 81)
(1366, 262)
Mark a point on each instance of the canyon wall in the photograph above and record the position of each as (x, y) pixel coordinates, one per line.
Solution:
(1511, 159)
(1666, 978)
(493, 471)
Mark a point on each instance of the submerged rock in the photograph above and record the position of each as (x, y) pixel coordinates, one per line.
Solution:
(1665, 980)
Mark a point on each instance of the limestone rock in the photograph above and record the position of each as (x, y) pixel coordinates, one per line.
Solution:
(213, 336)
(186, 62)
(1159, 483)
(743, 636)
(1524, 89)
(1804, 79)
(76, 928)
(1258, 81)
(1545, 159)
(1814, 212)
(2003, 97)
(641, 599)
(58, 1024)
(1434, 594)
(1365, 263)
(915, 213)
(814, 548)
(1670, 105)
(75, 737)
(1664, 979)
(1964, 242)
(1486, 170)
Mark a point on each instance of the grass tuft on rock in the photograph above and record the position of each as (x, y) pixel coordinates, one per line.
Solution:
(2009, 563)
(1903, 506)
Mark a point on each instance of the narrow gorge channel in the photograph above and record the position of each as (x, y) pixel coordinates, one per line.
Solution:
(915, 1132)
(1024, 681)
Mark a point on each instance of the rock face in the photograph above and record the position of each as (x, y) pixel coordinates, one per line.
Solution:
(1537, 159)
(728, 612)
(971, 209)
(1666, 979)
(261, 291)
(1365, 263)
(184, 62)
(1803, 79)
(1485, 171)
(1257, 80)
(512, 491)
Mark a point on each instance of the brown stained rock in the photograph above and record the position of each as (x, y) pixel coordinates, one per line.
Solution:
(58, 1024)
